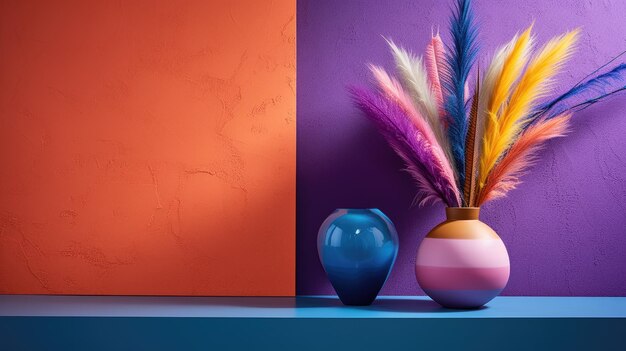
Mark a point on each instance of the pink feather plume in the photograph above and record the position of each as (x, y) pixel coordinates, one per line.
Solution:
(436, 68)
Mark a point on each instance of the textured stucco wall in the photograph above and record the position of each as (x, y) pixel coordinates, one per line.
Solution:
(147, 147)
(565, 228)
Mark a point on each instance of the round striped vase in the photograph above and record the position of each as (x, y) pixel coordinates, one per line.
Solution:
(462, 262)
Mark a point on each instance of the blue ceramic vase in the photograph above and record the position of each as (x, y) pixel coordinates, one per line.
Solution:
(357, 248)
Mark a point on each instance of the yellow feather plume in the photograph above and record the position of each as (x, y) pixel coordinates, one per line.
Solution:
(519, 52)
(503, 127)
(511, 70)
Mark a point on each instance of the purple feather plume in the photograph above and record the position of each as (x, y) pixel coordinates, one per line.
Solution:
(409, 144)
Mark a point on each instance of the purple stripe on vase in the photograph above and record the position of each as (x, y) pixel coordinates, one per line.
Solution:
(465, 299)
(462, 278)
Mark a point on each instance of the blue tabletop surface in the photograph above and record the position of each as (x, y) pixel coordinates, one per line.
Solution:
(304, 307)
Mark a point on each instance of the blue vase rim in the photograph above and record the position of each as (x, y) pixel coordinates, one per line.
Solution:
(358, 209)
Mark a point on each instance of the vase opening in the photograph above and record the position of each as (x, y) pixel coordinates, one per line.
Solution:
(462, 213)
(356, 210)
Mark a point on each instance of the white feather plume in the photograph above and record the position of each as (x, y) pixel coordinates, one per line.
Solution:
(415, 79)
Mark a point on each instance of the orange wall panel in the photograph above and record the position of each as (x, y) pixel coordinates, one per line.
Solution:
(147, 147)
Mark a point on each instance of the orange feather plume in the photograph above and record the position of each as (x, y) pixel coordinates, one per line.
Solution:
(506, 174)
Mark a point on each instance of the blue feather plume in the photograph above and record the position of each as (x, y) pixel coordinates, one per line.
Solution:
(460, 59)
(593, 90)
(583, 105)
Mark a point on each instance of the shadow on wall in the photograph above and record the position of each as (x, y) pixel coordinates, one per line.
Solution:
(358, 171)
(194, 233)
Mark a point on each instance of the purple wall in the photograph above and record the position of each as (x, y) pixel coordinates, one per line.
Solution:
(565, 228)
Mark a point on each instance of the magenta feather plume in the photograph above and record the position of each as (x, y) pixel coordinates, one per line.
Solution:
(394, 91)
(420, 156)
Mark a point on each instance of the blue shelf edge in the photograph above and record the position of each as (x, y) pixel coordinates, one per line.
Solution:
(307, 323)
(303, 307)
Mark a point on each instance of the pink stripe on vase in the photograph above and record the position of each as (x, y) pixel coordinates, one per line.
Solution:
(454, 278)
(468, 253)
